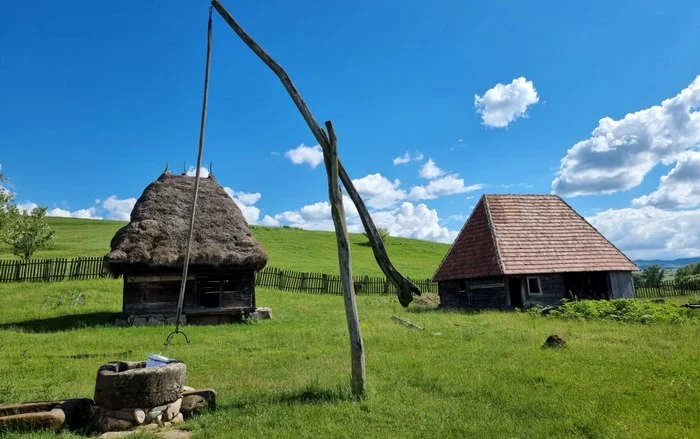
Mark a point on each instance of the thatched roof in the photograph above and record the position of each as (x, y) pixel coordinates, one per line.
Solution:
(157, 233)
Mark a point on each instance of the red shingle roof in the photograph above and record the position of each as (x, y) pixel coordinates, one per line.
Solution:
(528, 234)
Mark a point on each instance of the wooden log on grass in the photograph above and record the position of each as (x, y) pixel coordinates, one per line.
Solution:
(406, 322)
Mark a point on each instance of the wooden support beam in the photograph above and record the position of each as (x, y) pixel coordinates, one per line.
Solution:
(404, 287)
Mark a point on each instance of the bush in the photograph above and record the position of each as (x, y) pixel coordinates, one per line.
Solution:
(625, 310)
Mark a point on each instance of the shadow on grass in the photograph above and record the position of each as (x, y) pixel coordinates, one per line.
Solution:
(63, 323)
(307, 395)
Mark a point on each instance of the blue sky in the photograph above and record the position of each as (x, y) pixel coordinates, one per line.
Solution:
(97, 97)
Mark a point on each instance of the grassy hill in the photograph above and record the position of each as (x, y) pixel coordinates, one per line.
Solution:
(290, 249)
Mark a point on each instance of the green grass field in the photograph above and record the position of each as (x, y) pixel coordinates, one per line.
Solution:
(481, 375)
(289, 249)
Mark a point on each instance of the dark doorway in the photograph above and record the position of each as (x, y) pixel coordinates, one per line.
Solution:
(516, 298)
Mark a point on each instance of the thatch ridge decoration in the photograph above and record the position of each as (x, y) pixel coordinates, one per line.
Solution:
(157, 233)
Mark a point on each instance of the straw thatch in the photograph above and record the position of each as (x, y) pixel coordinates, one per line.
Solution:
(157, 233)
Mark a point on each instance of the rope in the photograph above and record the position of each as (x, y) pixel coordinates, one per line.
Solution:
(186, 262)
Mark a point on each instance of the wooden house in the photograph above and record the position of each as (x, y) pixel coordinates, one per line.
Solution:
(524, 250)
(149, 253)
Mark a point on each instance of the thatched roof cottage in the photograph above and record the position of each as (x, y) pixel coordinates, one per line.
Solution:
(149, 252)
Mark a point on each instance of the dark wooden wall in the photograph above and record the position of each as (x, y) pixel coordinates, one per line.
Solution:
(480, 293)
(157, 294)
(553, 290)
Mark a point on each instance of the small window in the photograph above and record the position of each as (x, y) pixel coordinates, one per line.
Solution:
(463, 287)
(534, 288)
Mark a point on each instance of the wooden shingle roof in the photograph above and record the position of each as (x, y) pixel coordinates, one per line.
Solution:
(528, 234)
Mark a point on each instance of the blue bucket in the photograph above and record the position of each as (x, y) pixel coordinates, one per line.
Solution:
(155, 360)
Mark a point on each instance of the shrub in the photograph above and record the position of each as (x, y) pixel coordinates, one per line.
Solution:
(625, 310)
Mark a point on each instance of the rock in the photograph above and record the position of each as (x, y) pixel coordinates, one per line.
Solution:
(117, 434)
(170, 320)
(53, 419)
(172, 410)
(108, 423)
(178, 419)
(130, 319)
(120, 322)
(139, 321)
(139, 416)
(175, 434)
(198, 400)
(262, 313)
(187, 389)
(554, 341)
(167, 424)
(155, 413)
(132, 384)
(153, 320)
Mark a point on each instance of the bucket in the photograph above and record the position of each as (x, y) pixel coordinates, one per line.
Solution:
(155, 360)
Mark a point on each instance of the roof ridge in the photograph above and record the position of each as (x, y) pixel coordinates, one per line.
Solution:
(464, 226)
(494, 236)
(596, 230)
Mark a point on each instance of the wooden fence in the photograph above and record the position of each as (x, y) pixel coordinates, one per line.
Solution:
(318, 283)
(668, 288)
(46, 270)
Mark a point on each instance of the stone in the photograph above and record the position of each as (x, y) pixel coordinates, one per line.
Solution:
(187, 389)
(554, 341)
(53, 419)
(108, 423)
(178, 419)
(120, 322)
(139, 416)
(198, 400)
(130, 319)
(132, 384)
(262, 313)
(139, 321)
(175, 434)
(155, 413)
(172, 410)
(153, 320)
(117, 434)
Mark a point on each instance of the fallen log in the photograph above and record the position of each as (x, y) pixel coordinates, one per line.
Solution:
(406, 322)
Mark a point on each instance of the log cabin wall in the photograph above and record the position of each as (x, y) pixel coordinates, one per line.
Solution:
(205, 293)
(480, 293)
(551, 286)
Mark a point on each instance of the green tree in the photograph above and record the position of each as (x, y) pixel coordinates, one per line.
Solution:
(5, 199)
(25, 232)
(653, 275)
(383, 234)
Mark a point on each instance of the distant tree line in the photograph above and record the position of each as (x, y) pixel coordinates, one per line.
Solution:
(23, 231)
(650, 277)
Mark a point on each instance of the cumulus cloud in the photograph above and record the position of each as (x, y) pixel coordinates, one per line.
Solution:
(650, 233)
(245, 201)
(269, 221)
(407, 220)
(89, 213)
(447, 185)
(378, 192)
(203, 172)
(118, 209)
(26, 206)
(620, 153)
(311, 155)
(430, 170)
(407, 158)
(680, 188)
(506, 103)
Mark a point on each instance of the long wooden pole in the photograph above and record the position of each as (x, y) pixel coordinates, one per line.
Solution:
(404, 287)
(357, 349)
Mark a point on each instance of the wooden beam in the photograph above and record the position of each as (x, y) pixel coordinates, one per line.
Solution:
(404, 287)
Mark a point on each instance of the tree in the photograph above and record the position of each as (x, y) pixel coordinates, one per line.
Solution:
(653, 275)
(26, 232)
(5, 199)
(383, 235)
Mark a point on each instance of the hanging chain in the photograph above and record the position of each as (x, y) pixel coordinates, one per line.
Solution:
(186, 262)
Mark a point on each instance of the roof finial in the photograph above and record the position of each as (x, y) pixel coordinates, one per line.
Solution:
(167, 165)
(211, 169)
(184, 167)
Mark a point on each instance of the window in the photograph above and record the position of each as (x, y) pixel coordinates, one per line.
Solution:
(463, 287)
(534, 288)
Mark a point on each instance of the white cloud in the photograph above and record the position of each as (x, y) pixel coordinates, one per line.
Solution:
(414, 221)
(650, 233)
(680, 188)
(620, 153)
(269, 221)
(118, 209)
(407, 158)
(505, 103)
(430, 170)
(27, 206)
(311, 155)
(89, 213)
(378, 192)
(245, 201)
(203, 172)
(447, 185)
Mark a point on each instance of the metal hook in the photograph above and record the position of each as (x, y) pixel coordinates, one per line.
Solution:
(172, 334)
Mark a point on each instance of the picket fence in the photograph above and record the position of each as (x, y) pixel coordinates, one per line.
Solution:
(48, 270)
